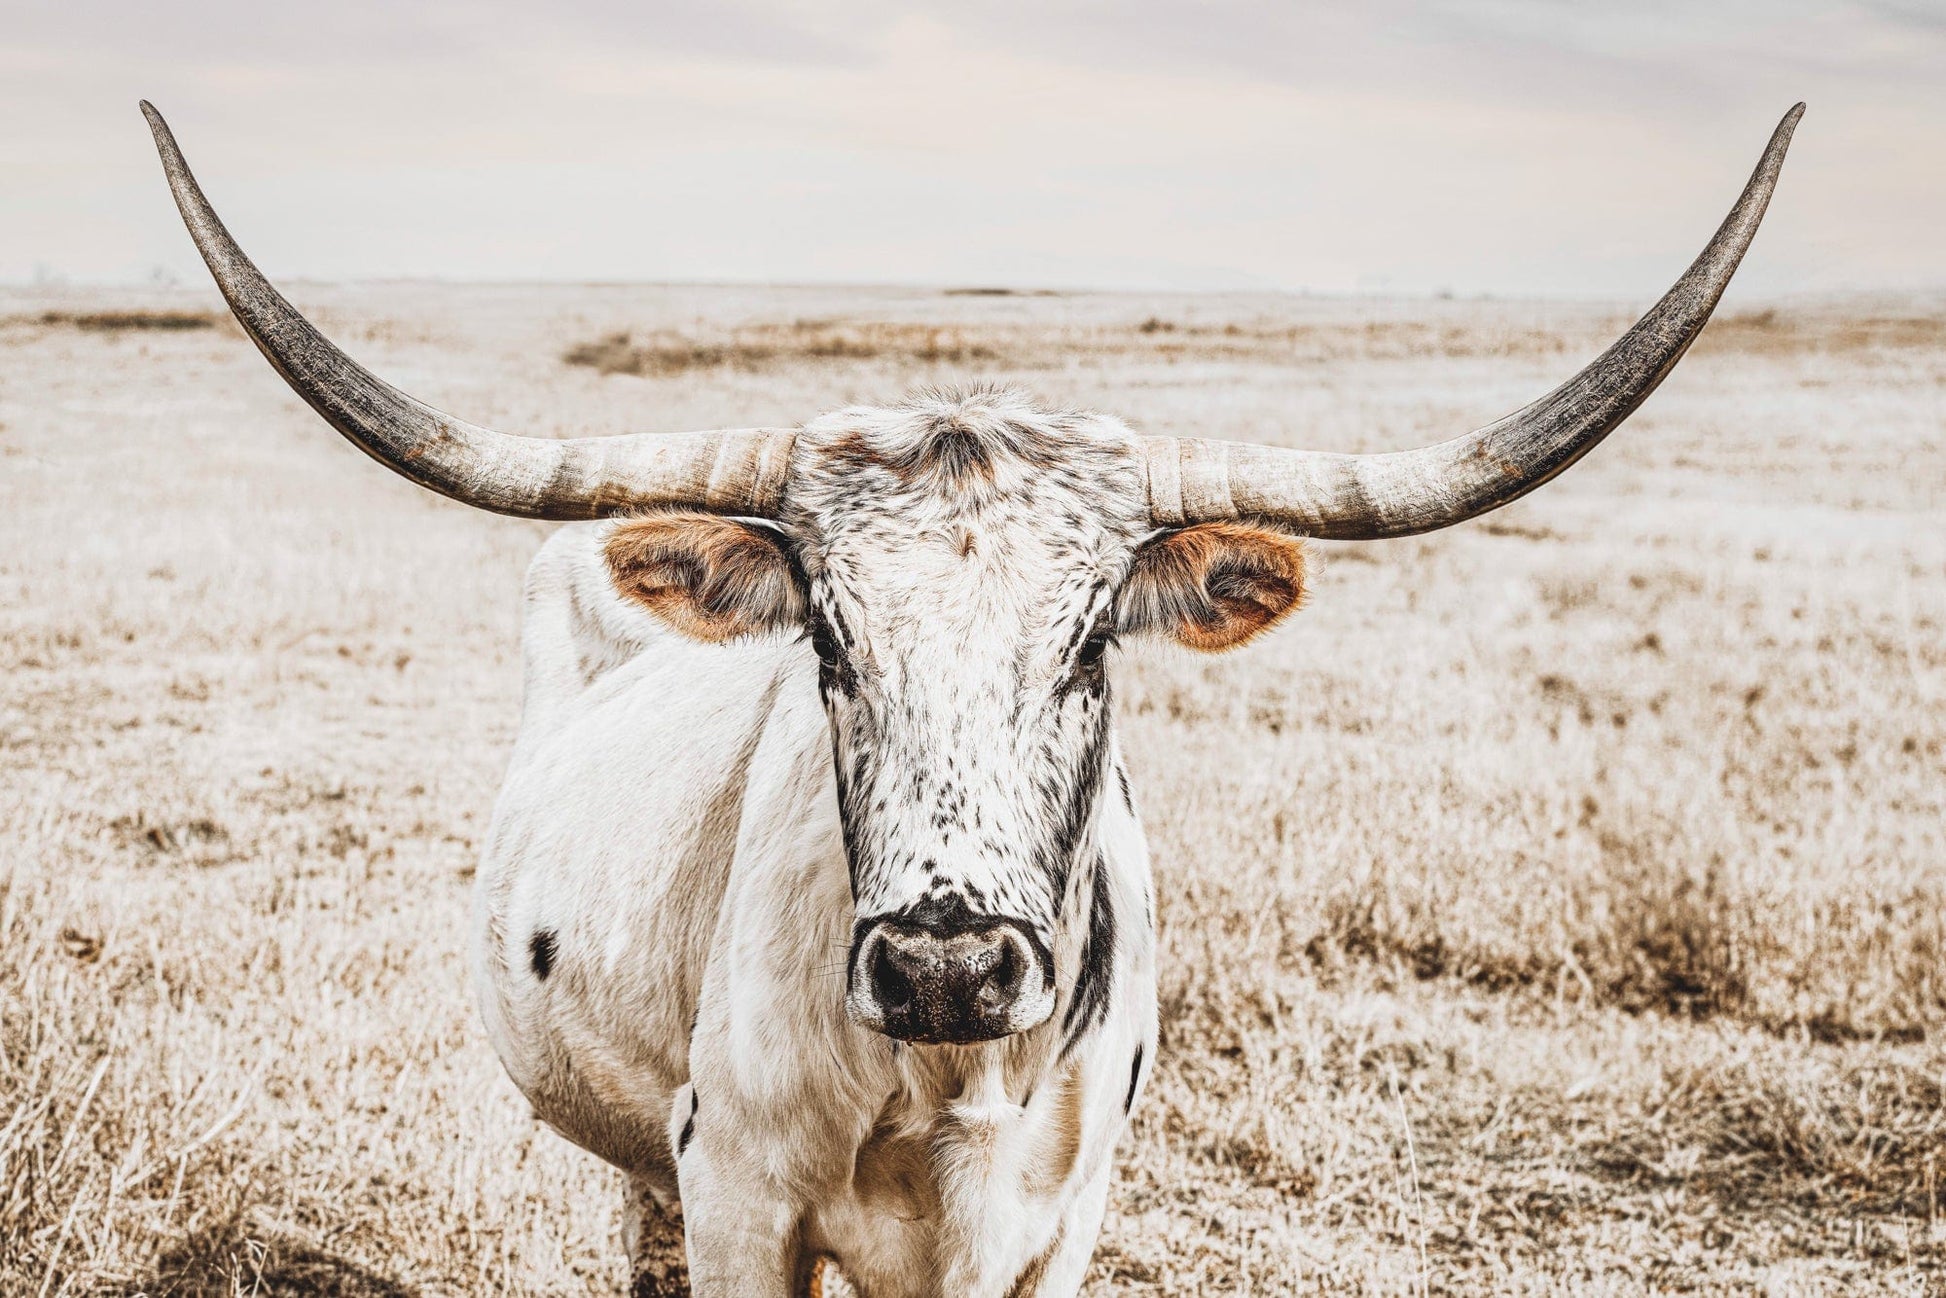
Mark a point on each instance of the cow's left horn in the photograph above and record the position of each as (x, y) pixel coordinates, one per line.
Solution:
(1365, 497)
(728, 471)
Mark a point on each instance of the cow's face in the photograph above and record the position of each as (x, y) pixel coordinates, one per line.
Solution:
(961, 567)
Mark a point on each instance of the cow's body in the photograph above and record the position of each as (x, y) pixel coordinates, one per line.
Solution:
(666, 856)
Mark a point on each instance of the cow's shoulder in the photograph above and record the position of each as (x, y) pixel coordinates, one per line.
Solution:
(581, 638)
(576, 628)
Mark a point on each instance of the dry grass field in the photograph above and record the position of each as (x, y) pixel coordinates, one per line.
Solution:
(1557, 906)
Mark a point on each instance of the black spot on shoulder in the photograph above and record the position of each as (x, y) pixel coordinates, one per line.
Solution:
(542, 949)
(689, 1127)
(1134, 1079)
(1128, 798)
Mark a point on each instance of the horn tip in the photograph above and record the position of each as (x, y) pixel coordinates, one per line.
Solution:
(157, 127)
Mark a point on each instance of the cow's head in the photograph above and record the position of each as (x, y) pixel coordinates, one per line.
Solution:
(960, 567)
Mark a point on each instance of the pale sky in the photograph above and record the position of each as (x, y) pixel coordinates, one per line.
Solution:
(1497, 146)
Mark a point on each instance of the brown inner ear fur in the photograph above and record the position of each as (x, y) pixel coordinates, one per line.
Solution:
(1214, 586)
(710, 578)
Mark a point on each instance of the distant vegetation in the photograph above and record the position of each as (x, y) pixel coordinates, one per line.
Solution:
(128, 321)
(1021, 344)
(763, 346)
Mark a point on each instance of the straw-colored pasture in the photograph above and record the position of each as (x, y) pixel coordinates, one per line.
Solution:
(1557, 905)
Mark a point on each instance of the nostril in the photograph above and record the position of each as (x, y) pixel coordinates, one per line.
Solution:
(1002, 983)
(890, 986)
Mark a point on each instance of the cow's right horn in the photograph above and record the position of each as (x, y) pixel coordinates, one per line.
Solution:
(739, 471)
(1365, 497)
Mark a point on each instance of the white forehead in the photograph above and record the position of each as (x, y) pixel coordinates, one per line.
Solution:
(961, 500)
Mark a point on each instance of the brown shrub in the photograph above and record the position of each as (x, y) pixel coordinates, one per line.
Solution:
(766, 346)
(109, 322)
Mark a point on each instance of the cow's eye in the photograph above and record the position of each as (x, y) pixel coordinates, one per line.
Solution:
(823, 643)
(834, 673)
(1088, 659)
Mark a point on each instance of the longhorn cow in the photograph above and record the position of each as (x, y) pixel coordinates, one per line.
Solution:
(816, 899)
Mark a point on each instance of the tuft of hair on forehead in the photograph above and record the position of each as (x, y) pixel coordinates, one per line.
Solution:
(961, 443)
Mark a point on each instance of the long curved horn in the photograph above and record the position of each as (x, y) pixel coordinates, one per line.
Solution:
(732, 472)
(1367, 497)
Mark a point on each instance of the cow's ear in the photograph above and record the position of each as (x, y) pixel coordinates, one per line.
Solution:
(710, 578)
(1213, 586)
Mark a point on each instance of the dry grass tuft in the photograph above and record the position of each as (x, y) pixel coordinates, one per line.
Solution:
(1867, 1136)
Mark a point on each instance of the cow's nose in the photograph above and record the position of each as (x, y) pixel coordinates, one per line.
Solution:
(973, 985)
